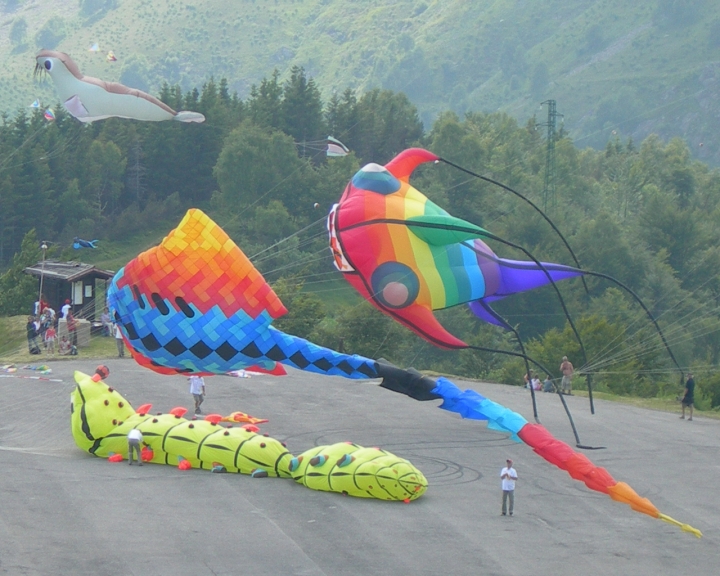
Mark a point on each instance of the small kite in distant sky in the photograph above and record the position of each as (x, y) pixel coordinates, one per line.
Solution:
(80, 243)
(94, 48)
(35, 104)
(336, 148)
(89, 99)
(49, 115)
(111, 57)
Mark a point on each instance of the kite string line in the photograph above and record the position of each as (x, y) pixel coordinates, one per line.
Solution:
(289, 237)
(676, 326)
(666, 311)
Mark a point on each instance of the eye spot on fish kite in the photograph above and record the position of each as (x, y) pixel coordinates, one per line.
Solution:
(89, 99)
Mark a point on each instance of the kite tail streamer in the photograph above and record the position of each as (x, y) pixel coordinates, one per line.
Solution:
(300, 353)
(470, 404)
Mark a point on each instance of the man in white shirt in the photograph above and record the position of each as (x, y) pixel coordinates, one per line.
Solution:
(134, 440)
(197, 389)
(509, 476)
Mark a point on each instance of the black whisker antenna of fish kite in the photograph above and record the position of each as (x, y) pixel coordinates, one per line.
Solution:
(526, 199)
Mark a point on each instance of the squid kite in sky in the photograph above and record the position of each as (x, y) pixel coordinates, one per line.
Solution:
(196, 304)
(89, 99)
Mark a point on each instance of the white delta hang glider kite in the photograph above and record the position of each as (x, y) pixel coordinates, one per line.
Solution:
(89, 99)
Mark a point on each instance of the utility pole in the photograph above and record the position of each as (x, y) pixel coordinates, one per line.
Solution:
(550, 189)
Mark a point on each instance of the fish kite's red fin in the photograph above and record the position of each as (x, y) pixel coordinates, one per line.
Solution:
(403, 164)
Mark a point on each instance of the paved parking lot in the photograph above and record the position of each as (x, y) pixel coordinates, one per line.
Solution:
(63, 511)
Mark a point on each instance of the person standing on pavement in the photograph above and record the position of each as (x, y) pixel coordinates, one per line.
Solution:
(197, 389)
(688, 399)
(567, 370)
(508, 476)
(119, 341)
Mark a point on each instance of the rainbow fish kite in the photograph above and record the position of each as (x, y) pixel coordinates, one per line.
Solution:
(408, 257)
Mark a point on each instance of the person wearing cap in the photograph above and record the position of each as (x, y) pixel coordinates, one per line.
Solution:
(65, 309)
(508, 476)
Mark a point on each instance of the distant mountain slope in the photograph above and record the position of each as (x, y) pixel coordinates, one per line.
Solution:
(614, 67)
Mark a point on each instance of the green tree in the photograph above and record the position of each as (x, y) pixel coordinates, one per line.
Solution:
(18, 290)
(305, 310)
(18, 31)
(302, 110)
(265, 102)
(257, 165)
(105, 172)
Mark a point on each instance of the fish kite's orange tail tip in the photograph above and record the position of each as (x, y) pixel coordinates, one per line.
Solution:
(622, 492)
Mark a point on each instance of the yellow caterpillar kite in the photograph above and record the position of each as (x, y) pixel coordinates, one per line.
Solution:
(101, 419)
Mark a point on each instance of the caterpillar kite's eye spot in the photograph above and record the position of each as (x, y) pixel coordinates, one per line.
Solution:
(191, 425)
(262, 444)
(107, 403)
(226, 433)
(48, 65)
(283, 444)
(111, 389)
(114, 422)
(120, 404)
(266, 435)
(155, 420)
(120, 423)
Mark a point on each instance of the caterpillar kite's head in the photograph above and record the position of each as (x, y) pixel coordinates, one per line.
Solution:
(97, 409)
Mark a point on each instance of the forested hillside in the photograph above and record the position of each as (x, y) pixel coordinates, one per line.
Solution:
(630, 68)
(644, 212)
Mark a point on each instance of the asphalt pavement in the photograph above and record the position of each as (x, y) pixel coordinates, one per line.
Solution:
(63, 511)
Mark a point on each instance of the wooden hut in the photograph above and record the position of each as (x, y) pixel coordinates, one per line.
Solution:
(74, 281)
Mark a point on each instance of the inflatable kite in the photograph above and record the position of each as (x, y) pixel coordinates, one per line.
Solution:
(80, 243)
(196, 304)
(335, 148)
(408, 257)
(101, 419)
(89, 99)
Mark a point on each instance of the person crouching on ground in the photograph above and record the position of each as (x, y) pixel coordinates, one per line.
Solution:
(135, 438)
